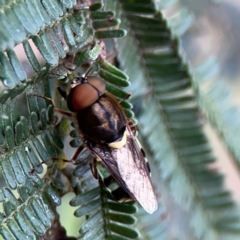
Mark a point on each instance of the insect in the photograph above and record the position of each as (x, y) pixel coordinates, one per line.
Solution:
(108, 134)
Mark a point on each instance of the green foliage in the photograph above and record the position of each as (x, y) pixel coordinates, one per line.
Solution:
(168, 114)
(218, 104)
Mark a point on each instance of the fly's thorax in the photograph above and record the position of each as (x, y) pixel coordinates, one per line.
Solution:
(103, 122)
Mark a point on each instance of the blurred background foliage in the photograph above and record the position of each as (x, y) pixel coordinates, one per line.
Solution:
(181, 58)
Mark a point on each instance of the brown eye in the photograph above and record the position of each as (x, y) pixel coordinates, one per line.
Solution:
(84, 95)
(97, 83)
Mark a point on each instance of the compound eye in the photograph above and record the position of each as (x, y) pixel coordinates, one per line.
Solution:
(84, 95)
(97, 83)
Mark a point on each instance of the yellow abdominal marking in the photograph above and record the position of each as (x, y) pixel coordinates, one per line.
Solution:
(122, 200)
(120, 143)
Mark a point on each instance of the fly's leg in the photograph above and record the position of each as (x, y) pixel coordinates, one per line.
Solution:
(65, 113)
(72, 160)
(75, 155)
(61, 111)
(93, 168)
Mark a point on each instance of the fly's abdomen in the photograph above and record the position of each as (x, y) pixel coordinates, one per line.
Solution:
(111, 185)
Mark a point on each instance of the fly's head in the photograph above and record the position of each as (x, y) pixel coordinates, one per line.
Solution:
(84, 92)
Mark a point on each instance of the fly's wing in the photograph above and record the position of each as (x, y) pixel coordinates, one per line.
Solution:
(130, 170)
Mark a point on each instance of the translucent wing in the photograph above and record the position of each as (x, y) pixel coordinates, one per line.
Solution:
(130, 169)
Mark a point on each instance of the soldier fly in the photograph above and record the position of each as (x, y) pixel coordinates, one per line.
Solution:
(109, 136)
